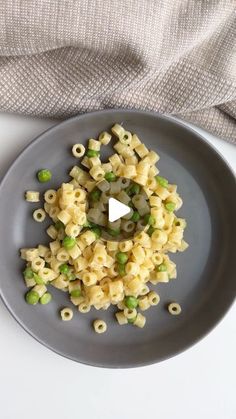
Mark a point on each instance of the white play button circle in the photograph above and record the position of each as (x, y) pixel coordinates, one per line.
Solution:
(114, 220)
(116, 209)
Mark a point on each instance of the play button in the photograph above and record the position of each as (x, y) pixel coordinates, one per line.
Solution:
(114, 219)
(116, 209)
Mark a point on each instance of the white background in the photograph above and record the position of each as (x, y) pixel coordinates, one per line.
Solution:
(35, 383)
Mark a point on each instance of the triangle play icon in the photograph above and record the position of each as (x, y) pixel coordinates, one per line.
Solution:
(116, 209)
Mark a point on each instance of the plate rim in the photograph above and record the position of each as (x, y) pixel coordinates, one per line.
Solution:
(174, 121)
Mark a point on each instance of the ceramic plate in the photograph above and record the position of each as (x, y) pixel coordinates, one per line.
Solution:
(206, 284)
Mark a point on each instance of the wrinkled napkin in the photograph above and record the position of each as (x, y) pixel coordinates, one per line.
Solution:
(62, 57)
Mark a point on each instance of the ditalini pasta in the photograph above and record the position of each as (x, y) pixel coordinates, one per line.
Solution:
(174, 309)
(99, 263)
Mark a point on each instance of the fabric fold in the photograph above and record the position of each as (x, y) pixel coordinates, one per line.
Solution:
(60, 58)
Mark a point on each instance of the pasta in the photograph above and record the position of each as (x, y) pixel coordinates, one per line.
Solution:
(121, 318)
(140, 320)
(174, 309)
(40, 289)
(153, 298)
(37, 264)
(99, 326)
(105, 138)
(144, 303)
(39, 215)
(66, 314)
(94, 145)
(32, 196)
(101, 263)
(84, 308)
(50, 196)
(78, 150)
(130, 313)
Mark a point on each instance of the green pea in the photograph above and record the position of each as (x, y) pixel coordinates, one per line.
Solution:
(88, 224)
(46, 298)
(162, 181)
(95, 195)
(170, 206)
(131, 302)
(149, 219)
(64, 269)
(121, 257)
(28, 273)
(68, 242)
(161, 268)
(113, 232)
(97, 231)
(92, 153)
(131, 321)
(128, 190)
(59, 225)
(75, 293)
(44, 175)
(135, 189)
(38, 279)
(135, 217)
(110, 177)
(121, 269)
(150, 230)
(32, 297)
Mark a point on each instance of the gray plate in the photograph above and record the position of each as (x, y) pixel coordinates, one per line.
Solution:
(206, 284)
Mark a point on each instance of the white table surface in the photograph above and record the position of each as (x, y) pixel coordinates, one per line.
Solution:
(35, 383)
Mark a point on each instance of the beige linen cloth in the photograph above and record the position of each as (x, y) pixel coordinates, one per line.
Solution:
(62, 57)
